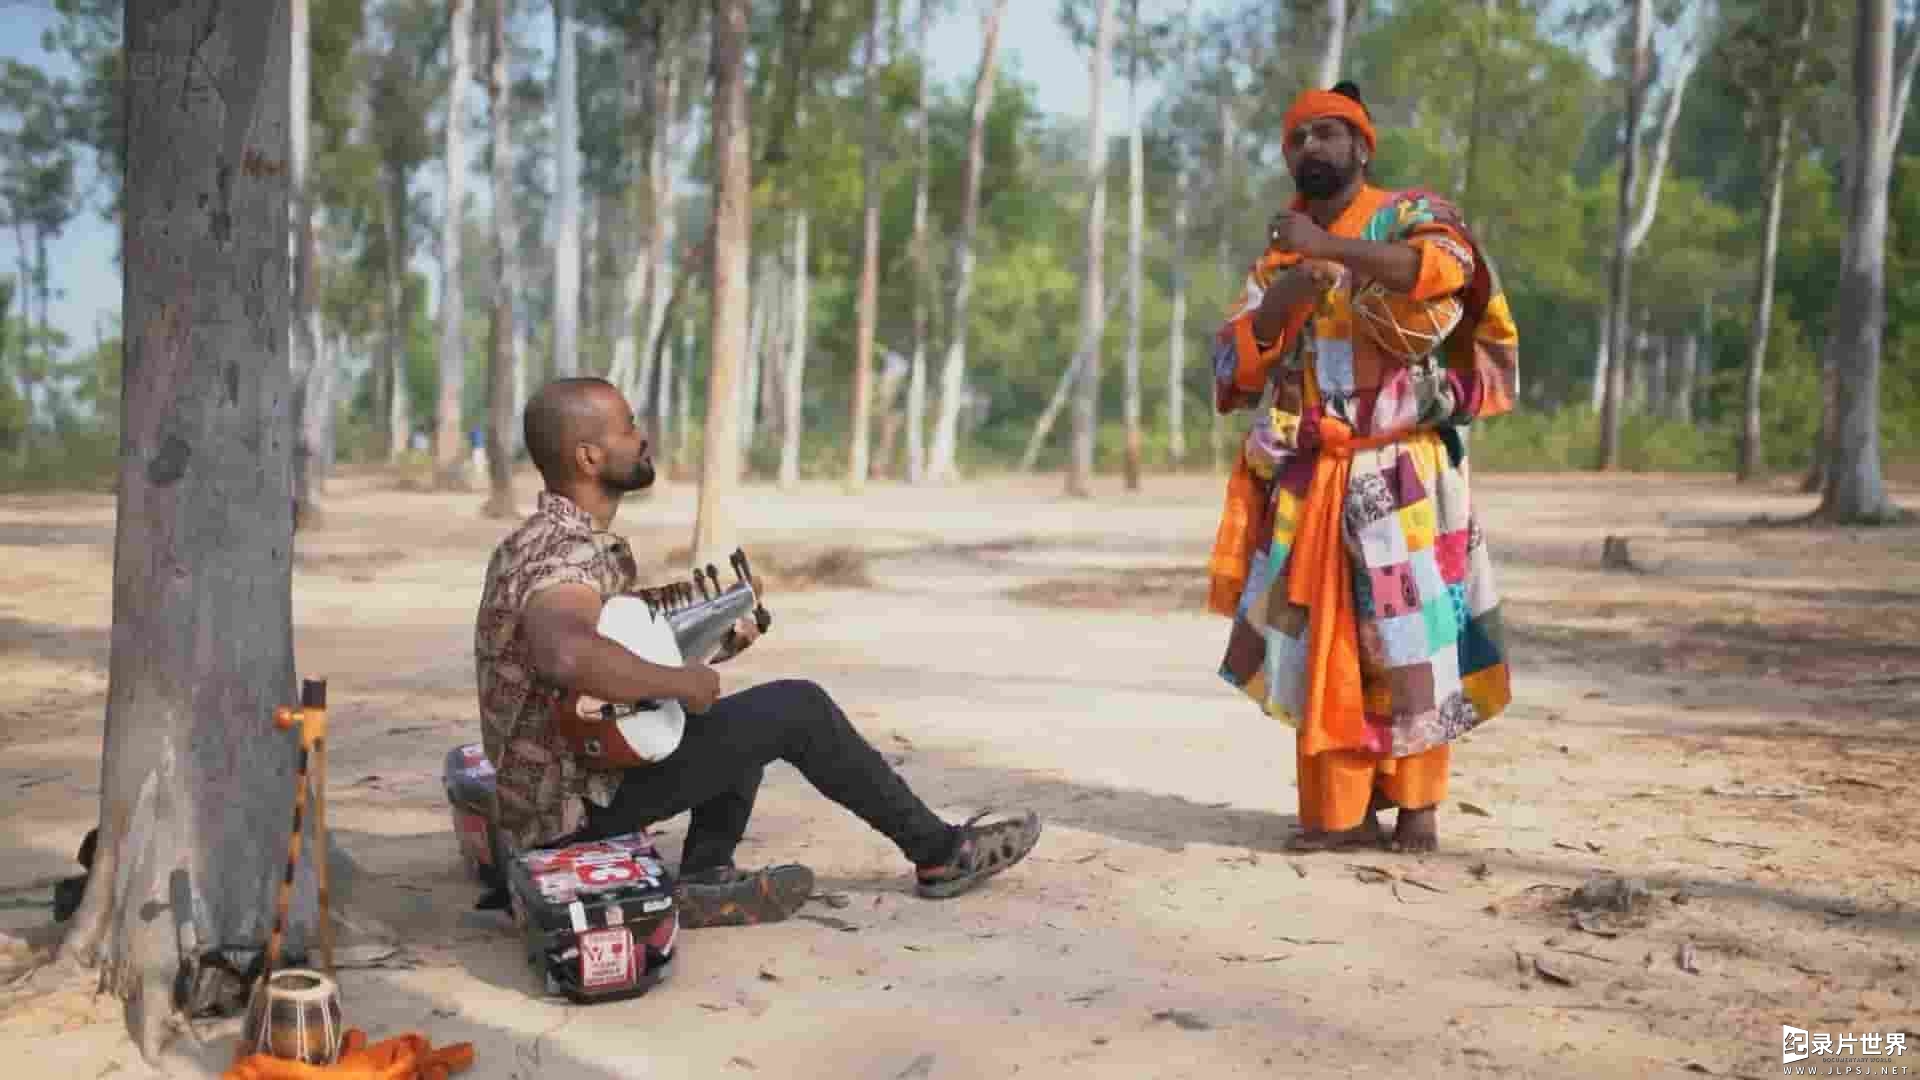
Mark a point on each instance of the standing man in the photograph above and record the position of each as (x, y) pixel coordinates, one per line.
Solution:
(537, 638)
(1371, 331)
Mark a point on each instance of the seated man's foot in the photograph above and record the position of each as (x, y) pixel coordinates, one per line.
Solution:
(728, 896)
(1366, 834)
(1417, 830)
(983, 851)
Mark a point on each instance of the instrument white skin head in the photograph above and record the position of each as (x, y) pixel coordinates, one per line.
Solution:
(667, 627)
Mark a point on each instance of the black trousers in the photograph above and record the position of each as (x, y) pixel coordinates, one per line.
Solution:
(717, 769)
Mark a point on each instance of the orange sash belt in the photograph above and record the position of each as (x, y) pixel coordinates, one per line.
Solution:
(1319, 578)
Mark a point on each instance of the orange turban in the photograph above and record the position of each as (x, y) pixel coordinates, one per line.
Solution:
(1314, 104)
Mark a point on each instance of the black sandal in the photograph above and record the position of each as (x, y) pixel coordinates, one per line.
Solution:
(983, 851)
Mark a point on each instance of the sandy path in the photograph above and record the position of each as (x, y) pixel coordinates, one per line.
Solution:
(1158, 930)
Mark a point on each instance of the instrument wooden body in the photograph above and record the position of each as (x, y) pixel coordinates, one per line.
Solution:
(668, 626)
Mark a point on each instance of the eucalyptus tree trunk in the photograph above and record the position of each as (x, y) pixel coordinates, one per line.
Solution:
(861, 422)
(566, 153)
(196, 783)
(728, 289)
(942, 459)
(1086, 405)
(449, 452)
(502, 393)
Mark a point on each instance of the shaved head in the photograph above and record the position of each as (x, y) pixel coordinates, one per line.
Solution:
(563, 414)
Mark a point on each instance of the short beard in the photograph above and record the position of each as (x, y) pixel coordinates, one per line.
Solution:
(639, 478)
(1323, 179)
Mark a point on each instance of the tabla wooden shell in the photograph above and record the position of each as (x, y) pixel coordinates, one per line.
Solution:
(1402, 328)
(295, 1015)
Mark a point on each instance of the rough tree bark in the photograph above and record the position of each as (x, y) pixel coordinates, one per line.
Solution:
(502, 415)
(922, 256)
(196, 783)
(660, 241)
(1136, 229)
(862, 418)
(1855, 490)
(566, 153)
(943, 457)
(1680, 406)
(1086, 405)
(728, 288)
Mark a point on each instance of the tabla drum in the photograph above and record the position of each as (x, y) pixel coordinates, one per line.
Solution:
(294, 1015)
(1404, 329)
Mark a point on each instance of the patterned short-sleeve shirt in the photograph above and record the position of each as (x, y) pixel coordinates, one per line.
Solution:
(539, 780)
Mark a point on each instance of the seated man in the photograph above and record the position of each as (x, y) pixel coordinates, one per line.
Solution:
(537, 639)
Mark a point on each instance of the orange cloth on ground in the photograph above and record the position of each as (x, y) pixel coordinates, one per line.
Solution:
(1337, 785)
(400, 1057)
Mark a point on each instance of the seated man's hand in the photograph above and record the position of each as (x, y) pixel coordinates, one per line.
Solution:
(703, 688)
(743, 634)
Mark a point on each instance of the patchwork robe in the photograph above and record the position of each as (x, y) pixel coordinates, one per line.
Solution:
(1413, 656)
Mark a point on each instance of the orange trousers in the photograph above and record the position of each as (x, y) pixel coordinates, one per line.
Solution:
(1337, 785)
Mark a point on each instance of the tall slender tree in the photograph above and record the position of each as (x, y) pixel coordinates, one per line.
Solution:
(728, 289)
(1086, 360)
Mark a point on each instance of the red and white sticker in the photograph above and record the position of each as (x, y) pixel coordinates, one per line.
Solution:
(607, 960)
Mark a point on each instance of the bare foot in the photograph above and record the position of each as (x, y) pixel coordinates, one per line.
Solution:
(1416, 830)
(1367, 834)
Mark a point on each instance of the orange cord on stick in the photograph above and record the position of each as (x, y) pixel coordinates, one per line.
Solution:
(400, 1057)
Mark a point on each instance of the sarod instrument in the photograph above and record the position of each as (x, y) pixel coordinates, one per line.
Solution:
(667, 625)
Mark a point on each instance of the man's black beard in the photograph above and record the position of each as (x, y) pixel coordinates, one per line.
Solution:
(1316, 179)
(639, 478)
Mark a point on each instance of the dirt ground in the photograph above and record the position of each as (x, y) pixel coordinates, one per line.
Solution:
(1731, 721)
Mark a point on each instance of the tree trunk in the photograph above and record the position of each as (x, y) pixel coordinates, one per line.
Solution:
(1620, 273)
(399, 316)
(566, 153)
(1216, 425)
(1816, 478)
(1043, 427)
(308, 374)
(862, 421)
(1177, 323)
(922, 263)
(1603, 328)
(450, 453)
(728, 289)
(1136, 229)
(683, 396)
(760, 311)
(1681, 404)
(196, 784)
(1749, 465)
(665, 199)
(1855, 487)
(502, 413)
(1086, 405)
(943, 458)
(791, 401)
(640, 62)
(1331, 52)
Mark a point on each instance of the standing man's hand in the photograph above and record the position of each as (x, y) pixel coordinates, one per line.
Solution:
(1295, 232)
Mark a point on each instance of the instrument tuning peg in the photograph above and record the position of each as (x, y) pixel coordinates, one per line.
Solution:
(700, 583)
